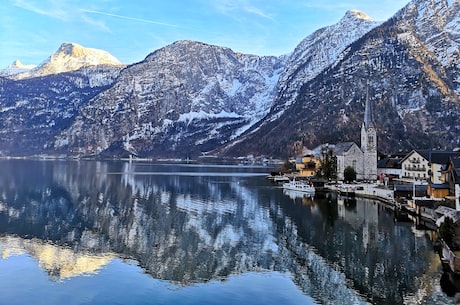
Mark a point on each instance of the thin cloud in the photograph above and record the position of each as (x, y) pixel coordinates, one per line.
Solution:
(258, 12)
(129, 18)
(54, 10)
(228, 7)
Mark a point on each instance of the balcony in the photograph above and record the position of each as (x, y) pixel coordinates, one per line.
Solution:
(415, 168)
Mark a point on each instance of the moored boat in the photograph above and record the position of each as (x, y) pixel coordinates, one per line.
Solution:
(299, 185)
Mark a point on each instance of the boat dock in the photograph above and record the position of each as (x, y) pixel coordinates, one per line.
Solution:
(366, 190)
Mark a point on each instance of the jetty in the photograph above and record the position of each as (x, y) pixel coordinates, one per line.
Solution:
(366, 190)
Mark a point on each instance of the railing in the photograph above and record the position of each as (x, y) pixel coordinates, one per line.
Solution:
(415, 168)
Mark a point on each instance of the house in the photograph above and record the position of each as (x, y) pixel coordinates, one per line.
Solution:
(415, 166)
(451, 176)
(389, 167)
(430, 166)
(308, 164)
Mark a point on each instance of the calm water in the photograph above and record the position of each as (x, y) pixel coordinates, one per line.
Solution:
(138, 233)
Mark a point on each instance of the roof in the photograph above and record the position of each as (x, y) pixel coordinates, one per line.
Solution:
(368, 115)
(439, 186)
(434, 156)
(447, 212)
(389, 163)
(343, 147)
(410, 187)
(437, 156)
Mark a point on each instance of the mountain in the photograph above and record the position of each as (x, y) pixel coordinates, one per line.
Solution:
(189, 98)
(34, 109)
(71, 57)
(235, 92)
(318, 51)
(182, 100)
(15, 68)
(409, 65)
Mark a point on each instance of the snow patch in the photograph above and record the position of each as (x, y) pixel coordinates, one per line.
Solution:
(202, 115)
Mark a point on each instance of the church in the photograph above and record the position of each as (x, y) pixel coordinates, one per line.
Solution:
(363, 159)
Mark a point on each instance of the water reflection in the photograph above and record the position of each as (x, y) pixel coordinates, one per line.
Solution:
(192, 224)
(60, 263)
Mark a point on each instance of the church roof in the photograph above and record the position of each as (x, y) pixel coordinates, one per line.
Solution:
(343, 147)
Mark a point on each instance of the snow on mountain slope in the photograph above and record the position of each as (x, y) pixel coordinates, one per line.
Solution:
(318, 51)
(186, 98)
(410, 66)
(71, 57)
(312, 55)
(436, 25)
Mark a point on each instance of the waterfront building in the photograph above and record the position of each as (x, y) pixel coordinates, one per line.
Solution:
(389, 167)
(308, 164)
(429, 166)
(362, 158)
(451, 176)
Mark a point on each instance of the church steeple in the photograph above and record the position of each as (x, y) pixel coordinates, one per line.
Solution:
(369, 141)
(368, 116)
(368, 132)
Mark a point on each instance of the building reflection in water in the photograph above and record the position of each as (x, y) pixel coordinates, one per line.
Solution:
(189, 224)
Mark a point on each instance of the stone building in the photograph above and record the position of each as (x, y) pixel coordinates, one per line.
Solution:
(363, 159)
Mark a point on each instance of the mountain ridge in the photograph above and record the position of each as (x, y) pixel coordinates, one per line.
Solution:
(197, 90)
(70, 57)
(414, 101)
(191, 99)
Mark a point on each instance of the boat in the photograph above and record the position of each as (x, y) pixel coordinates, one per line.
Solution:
(300, 186)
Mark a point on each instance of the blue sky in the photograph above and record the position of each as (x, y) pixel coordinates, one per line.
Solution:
(31, 30)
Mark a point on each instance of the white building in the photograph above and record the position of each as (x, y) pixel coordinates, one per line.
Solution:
(426, 165)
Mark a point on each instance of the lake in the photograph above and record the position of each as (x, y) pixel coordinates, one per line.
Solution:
(90, 232)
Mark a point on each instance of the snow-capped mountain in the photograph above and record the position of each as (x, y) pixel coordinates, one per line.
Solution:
(410, 68)
(15, 68)
(189, 98)
(230, 103)
(71, 57)
(184, 99)
(318, 51)
(312, 55)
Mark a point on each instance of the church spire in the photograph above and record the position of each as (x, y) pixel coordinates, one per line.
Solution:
(368, 117)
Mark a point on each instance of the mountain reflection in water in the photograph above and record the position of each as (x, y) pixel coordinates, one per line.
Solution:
(191, 224)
